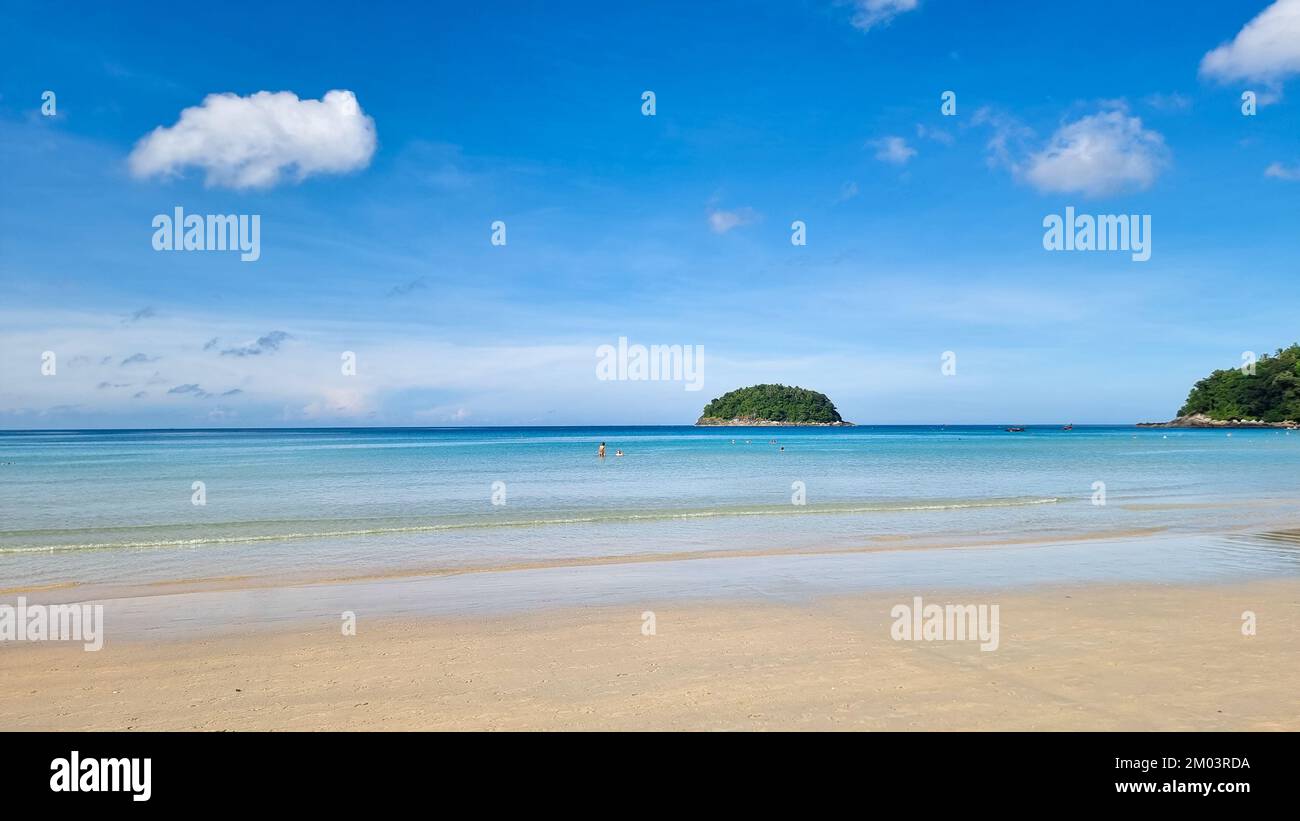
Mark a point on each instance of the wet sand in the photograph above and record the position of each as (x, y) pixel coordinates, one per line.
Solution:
(1087, 656)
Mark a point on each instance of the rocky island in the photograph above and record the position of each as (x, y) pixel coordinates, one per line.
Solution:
(1266, 395)
(772, 405)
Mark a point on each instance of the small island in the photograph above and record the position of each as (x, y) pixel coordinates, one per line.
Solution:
(1236, 398)
(763, 405)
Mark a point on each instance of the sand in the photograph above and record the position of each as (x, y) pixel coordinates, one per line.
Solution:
(1084, 657)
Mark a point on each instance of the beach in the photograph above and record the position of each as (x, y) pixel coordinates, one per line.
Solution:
(1100, 578)
(1085, 657)
(719, 366)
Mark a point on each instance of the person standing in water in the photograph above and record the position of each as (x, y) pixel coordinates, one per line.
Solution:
(601, 452)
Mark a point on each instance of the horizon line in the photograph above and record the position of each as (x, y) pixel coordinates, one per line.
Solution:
(1026, 425)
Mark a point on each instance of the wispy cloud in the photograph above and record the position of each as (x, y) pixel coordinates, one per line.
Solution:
(265, 344)
(721, 221)
(1008, 139)
(454, 414)
(143, 313)
(190, 389)
(892, 150)
(937, 135)
(1168, 103)
(1278, 171)
(870, 14)
(417, 284)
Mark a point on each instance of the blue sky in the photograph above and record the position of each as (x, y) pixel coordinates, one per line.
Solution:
(924, 231)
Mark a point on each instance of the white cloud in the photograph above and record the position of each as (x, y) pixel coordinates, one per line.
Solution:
(894, 150)
(1103, 153)
(869, 14)
(1278, 171)
(1267, 49)
(252, 142)
(301, 382)
(720, 222)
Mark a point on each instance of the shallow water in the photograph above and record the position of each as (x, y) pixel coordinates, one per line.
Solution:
(659, 586)
(116, 507)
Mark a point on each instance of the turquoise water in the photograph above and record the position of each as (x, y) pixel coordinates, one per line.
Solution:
(116, 507)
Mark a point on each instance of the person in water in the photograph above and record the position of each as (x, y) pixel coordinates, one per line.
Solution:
(618, 453)
(601, 452)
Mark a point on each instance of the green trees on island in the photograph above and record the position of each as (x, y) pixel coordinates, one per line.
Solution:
(774, 403)
(1271, 394)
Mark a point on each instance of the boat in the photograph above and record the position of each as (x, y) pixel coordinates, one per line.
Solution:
(1015, 430)
(1068, 427)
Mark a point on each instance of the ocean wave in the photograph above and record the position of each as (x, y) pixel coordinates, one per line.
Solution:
(593, 518)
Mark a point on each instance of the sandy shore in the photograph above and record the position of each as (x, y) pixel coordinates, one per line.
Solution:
(1083, 657)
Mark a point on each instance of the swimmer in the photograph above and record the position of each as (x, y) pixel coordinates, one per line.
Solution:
(601, 452)
(618, 453)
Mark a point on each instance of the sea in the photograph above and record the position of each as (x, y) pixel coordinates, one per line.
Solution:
(535, 515)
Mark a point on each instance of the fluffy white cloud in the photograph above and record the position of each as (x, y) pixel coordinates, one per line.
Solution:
(1267, 49)
(894, 150)
(1103, 153)
(868, 14)
(252, 142)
